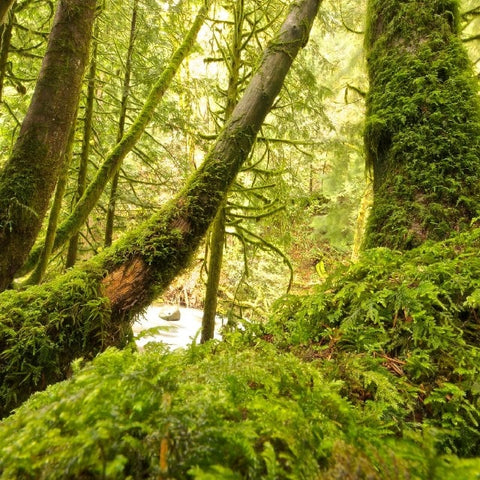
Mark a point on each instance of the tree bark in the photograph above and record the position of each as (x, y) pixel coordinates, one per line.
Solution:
(5, 6)
(422, 131)
(29, 176)
(92, 306)
(39, 272)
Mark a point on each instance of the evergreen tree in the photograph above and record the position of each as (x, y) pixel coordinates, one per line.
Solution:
(100, 297)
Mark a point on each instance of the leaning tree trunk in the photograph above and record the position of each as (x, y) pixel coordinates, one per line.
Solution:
(29, 177)
(422, 131)
(91, 307)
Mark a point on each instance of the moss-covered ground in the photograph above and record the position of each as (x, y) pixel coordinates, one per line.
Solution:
(375, 375)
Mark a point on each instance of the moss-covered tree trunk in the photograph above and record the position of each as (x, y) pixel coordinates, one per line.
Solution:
(39, 272)
(91, 307)
(217, 245)
(217, 235)
(422, 132)
(29, 176)
(5, 39)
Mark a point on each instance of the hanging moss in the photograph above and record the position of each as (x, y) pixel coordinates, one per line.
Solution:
(422, 132)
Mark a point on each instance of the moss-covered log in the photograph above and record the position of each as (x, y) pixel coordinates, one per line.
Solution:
(422, 130)
(28, 179)
(91, 307)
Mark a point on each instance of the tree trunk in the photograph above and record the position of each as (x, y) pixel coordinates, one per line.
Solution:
(85, 150)
(422, 131)
(39, 272)
(112, 201)
(29, 177)
(115, 158)
(217, 234)
(92, 306)
(5, 6)
(5, 39)
(217, 244)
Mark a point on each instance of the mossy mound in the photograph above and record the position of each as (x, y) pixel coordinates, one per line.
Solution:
(374, 376)
(215, 412)
(402, 330)
(44, 328)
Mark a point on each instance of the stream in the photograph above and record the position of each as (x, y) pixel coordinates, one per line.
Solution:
(176, 333)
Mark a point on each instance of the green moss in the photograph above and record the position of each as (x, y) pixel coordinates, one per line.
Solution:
(422, 131)
(44, 328)
(208, 413)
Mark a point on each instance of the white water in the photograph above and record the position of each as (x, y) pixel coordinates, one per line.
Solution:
(175, 333)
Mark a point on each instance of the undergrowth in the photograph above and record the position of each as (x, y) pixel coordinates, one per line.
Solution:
(402, 331)
(212, 412)
(375, 375)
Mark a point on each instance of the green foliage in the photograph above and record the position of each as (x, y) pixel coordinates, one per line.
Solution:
(402, 331)
(206, 413)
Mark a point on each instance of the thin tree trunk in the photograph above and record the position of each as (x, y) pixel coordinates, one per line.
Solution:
(28, 179)
(85, 151)
(217, 244)
(422, 132)
(121, 126)
(91, 306)
(217, 235)
(115, 158)
(5, 39)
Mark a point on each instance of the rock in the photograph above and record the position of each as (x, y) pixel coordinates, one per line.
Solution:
(170, 313)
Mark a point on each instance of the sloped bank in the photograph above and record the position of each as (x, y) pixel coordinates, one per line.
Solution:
(401, 330)
(374, 376)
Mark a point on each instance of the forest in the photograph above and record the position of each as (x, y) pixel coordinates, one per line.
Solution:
(307, 170)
